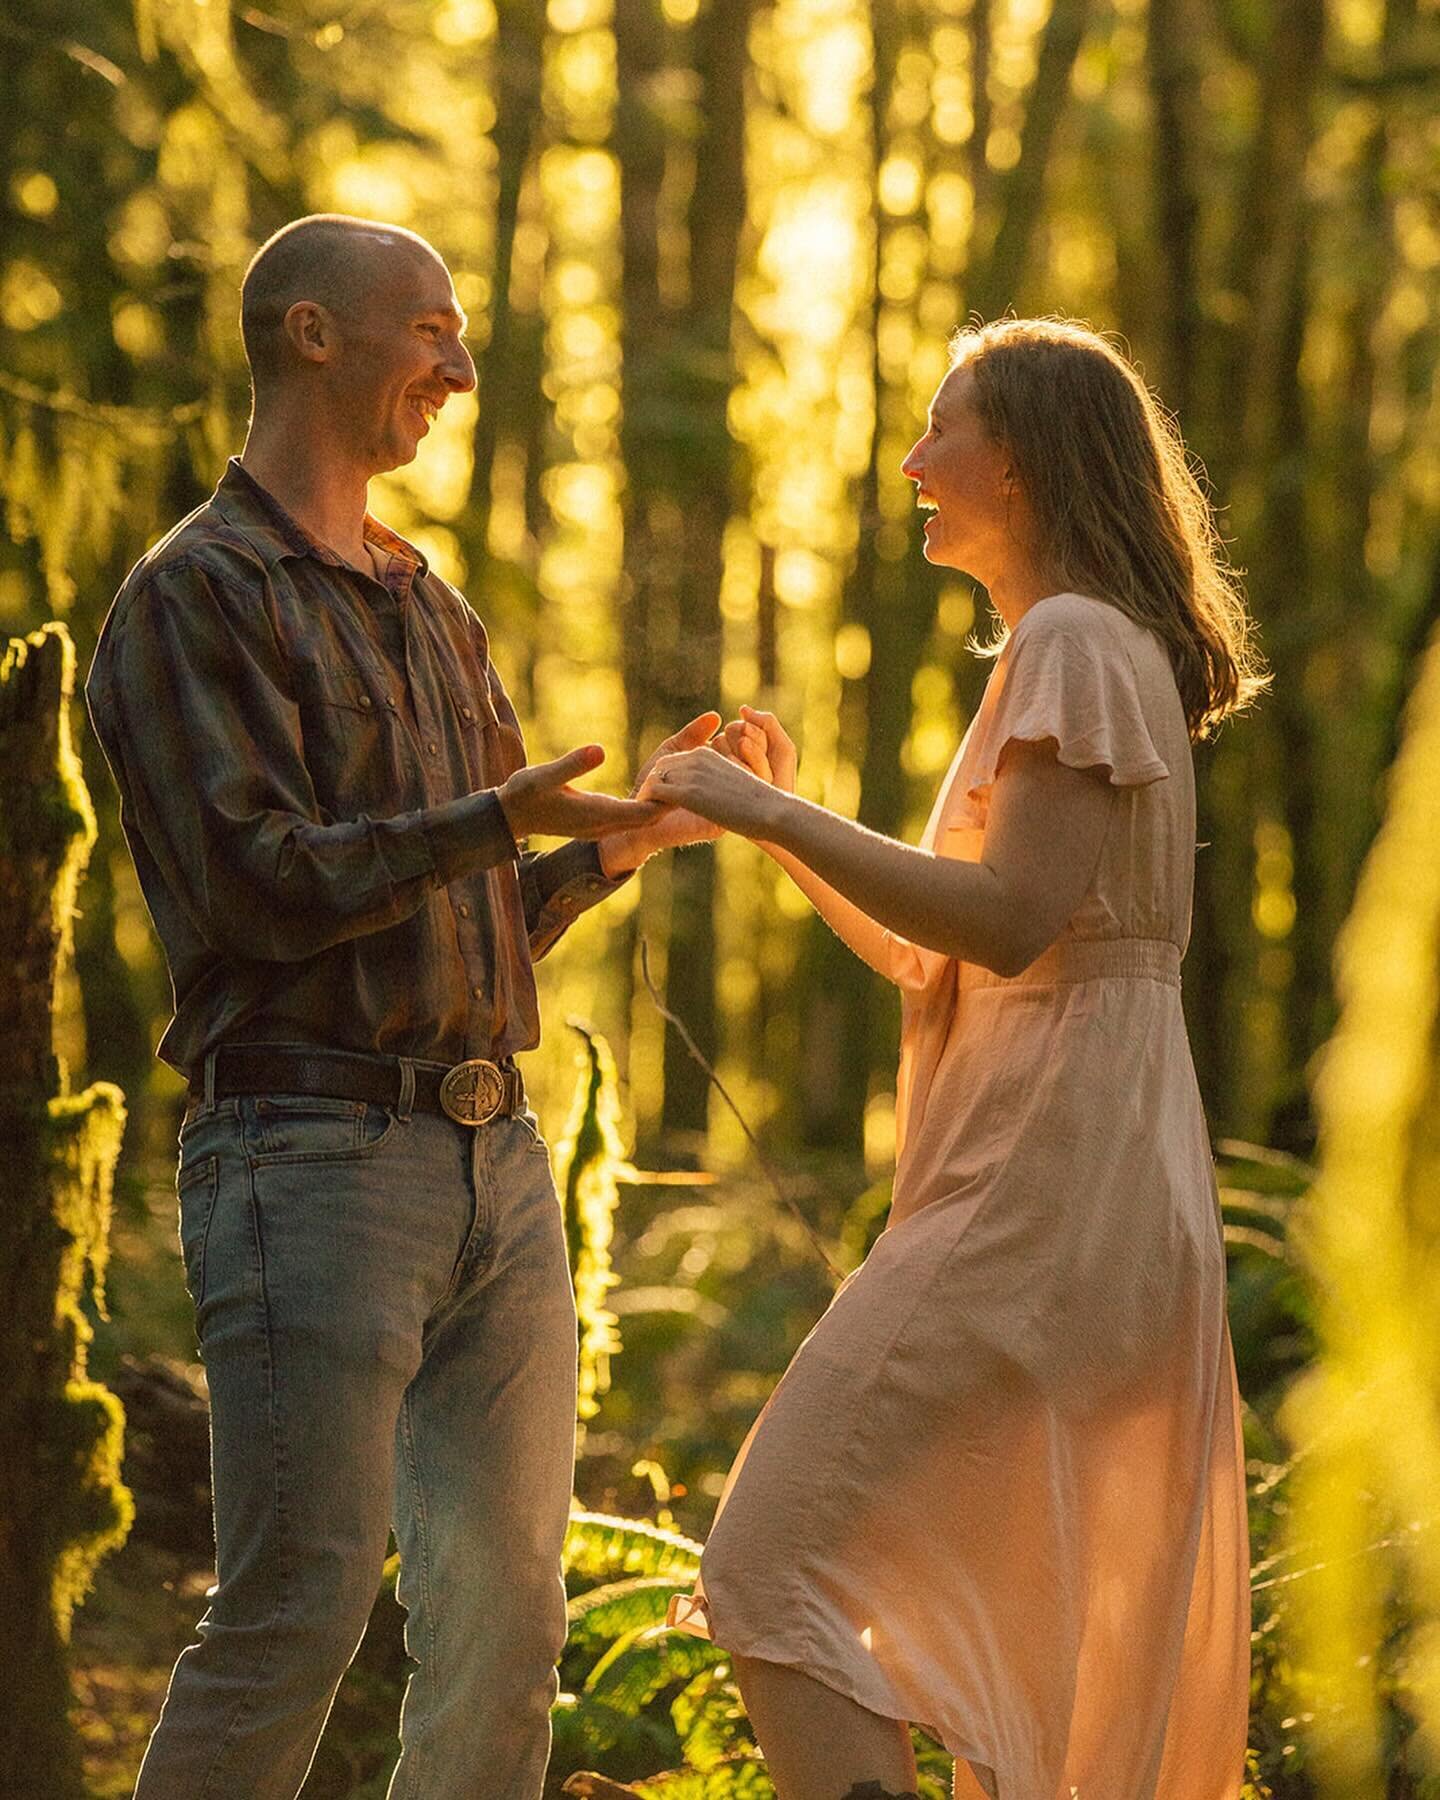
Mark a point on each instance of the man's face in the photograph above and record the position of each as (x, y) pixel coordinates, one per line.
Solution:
(400, 354)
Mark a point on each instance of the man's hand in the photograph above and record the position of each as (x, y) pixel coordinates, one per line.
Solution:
(672, 825)
(539, 799)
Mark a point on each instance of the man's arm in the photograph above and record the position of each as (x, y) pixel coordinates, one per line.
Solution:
(191, 699)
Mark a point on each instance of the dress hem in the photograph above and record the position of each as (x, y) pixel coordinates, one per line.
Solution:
(844, 1684)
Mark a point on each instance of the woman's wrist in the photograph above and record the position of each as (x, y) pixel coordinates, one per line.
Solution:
(777, 814)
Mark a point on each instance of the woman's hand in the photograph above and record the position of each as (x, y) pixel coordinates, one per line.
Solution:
(673, 826)
(759, 741)
(710, 784)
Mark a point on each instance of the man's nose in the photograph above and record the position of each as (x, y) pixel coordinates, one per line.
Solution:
(459, 371)
(911, 465)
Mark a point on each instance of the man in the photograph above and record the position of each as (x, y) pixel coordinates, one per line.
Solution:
(323, 786)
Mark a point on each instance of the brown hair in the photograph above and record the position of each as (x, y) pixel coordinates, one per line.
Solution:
(1120, 509)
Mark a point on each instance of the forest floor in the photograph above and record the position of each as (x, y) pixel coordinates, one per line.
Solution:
(126, 1638)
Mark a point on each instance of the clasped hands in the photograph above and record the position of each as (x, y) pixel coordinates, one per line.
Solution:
(700, 782)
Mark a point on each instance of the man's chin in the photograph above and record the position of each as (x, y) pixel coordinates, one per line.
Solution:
(396, 455)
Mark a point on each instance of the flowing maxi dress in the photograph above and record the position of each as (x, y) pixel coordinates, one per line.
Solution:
(999, 1492)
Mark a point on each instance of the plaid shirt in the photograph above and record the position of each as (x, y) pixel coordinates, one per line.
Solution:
(307, 758)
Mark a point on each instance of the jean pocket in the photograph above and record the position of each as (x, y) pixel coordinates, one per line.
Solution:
(314, 1128)
(196, 1185)
(529, 1124)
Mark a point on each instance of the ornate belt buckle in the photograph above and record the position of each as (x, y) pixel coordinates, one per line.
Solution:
(472, 1092)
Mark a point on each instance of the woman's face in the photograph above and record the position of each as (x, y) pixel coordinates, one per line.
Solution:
(964, 477)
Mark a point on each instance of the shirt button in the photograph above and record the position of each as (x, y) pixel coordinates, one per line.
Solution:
(364, 699)
(464, 910)
(478, 992)
(390, 700)
(465, 713)
(433, 747)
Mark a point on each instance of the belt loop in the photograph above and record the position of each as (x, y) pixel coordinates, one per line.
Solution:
(208, 1103)
(407, 1089)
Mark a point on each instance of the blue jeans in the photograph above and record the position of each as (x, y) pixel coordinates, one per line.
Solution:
(384, 1310)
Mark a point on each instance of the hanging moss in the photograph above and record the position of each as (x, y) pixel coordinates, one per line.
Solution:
(85, 1423)
(62, 1502)
(590, 1160)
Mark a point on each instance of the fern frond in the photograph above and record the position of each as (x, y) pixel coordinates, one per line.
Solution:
(741, 1777)
(602, 1547)
(642, 1664)
(602, 1614)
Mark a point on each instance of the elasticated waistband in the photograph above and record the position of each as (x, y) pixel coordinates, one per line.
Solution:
(1087, 959)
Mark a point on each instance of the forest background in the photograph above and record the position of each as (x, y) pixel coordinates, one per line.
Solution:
(712, 251)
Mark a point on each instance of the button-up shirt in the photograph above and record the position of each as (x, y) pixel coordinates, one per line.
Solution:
(307, 757)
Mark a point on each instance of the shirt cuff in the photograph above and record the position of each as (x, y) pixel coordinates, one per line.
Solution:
(577, 863)
(468, 835)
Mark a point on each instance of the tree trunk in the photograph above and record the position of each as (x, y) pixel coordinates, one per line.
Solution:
(1021, 195)
(679, 459)
(842, 1045)
(520, 30)
(62, 1506)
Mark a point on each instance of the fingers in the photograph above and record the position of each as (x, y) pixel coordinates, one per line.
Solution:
(593, 815)
(775, 732)
(700, 730)
(568, 767)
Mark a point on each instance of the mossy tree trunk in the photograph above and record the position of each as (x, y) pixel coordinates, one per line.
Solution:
(62, 1505)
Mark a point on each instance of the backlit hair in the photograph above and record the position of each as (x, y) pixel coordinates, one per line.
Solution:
(1119, 509)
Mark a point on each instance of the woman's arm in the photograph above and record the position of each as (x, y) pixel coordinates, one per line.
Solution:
(885, 951)
(1046, 826)
(760, 742)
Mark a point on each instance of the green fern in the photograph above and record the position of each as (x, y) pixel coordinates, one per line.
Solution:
(642, 1664)
(620, 1608)
(600, 1547)
(709, 1718)
(737, 1778)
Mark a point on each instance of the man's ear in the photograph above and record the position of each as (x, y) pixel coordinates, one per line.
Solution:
(311, 330)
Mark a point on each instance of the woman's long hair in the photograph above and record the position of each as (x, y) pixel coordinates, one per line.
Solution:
(1119, 509)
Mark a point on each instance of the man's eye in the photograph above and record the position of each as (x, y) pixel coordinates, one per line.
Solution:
(431, 330)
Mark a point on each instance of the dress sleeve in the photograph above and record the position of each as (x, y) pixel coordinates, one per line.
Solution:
(1073, 684)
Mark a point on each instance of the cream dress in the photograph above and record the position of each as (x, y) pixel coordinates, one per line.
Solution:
(999, 1492)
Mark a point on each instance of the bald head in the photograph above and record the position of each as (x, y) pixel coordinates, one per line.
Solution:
(330, 259)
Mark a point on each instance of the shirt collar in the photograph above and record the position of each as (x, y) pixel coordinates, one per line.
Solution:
(253, 510)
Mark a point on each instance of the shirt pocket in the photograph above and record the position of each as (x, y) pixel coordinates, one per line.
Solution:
(493, 751)
(353, 736)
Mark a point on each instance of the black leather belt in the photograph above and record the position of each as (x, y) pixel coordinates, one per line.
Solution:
(470, 1093)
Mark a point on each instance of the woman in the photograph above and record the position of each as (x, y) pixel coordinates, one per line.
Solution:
(999, 1491)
